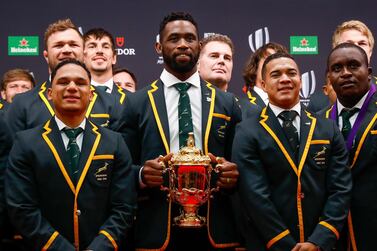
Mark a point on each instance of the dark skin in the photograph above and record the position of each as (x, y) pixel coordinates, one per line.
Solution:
(350, 75)
(179, 45)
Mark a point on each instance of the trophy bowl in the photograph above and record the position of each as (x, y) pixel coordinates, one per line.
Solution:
(189, 183)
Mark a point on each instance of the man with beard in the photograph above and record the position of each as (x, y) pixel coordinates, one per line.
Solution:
(153, 128)
(62, 41)
(99, 57)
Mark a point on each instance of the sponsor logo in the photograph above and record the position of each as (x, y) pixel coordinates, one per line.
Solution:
(304, 45)
(120, 42)
(259, 38)
(308, 85)
(23, 46)
(160, 59)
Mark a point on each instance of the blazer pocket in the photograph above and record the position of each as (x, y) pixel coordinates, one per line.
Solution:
(100, 170)
(319, 154)
(220, 125)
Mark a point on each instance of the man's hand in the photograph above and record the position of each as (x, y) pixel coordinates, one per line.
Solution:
(151, 173)
(305, 246)
(228, 173)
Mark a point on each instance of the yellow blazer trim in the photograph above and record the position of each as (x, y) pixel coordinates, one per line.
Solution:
(50, 241)
(361, 142)
(111, 239)
(122, 94)
(222, 116)
(1, 106)
(277, 238)
(329, 226)
(320, 142)
(211, 240)
(99, 115)
(56, 156)
(251, 98)
(103, 156)
(91, 104)
(351, 232)
(209, 122)
(327, 114)
(277, 140)
(42, 96)
(373, 132)
(157, 117)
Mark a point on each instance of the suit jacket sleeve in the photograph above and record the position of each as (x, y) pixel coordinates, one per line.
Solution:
(338, 187)
(122, 201)
(15, 116)
(22, 201)
(236, 118)
(255, 192)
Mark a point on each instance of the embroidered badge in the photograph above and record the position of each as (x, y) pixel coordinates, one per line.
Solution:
(320, 156)
(100, 175)
(106, 124)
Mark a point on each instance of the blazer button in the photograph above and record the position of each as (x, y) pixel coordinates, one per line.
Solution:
(78, 212)
(302, 195)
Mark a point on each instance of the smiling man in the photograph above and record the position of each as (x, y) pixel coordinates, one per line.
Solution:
(294, 181)
(72, 188)
(355, 113)
(215, 62)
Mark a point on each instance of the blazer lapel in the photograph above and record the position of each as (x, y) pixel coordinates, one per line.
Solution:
(157, 100)
(208, 107)
(43, 96)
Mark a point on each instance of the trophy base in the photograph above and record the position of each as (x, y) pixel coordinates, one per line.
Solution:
(190, 220)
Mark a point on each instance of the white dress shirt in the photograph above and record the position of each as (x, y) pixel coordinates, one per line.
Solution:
(262, 94)
(296, 122)
(109, 84)
(65, 138)
(171, 100)
(354, 116)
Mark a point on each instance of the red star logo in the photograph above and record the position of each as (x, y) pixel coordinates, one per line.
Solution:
(24, 42)
(304, 42)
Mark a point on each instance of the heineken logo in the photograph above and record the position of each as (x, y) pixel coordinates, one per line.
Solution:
(304, 45)
(23, 46)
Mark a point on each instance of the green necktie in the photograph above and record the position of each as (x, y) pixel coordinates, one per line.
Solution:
(290, 130)
(102, 87)
(346, 115)
(74, 151)
(184, 113)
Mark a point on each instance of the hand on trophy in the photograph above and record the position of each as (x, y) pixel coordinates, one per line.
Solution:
(228, 172)
(151, 174)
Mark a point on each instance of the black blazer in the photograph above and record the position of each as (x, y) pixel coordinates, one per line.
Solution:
(146, 131)
(285, 200)
(53, 213)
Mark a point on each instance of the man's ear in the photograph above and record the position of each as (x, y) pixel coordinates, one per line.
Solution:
(158, 48)
(370, 73)
(49, 93)
(263, 85)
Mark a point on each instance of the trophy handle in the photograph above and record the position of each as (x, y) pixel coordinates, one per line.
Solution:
(164, 171)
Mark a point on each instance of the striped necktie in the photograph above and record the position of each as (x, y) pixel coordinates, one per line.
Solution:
(74, 151)
(184, 113)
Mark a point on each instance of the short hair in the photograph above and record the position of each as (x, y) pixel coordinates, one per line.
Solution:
(174, 16)
(347, 45)
(117, 70)
(16, 75)
(99, 33)
(272, 57)
(352, 25)
(69, 61)
(217, 38)
(60, 25)
(251, 68)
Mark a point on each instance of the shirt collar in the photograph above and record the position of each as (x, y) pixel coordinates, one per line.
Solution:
(109, 84)
(358, 105)
(169, 79)
(261, 93)
(277, 110)
(61, 124)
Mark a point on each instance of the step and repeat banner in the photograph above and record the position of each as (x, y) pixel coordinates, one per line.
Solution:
(304, 27)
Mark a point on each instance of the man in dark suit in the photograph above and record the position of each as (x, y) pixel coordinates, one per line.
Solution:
(355, 113)
(70, 192)
(100, 57)
(62, 41)
(294, 183)
(151, 129)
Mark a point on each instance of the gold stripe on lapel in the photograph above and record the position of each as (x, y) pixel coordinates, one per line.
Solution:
(251, 98)
(328, 112)
(277, 140)
(156, 116)
(361, 142)
(42, 96)
(100, 115)
(91, 104)
(1, 106)
(122, 94)
(56, 155)
(300, 167)
(320, 142)
(50, 241)
(80, 182)
(209, 122)
(103, 156)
